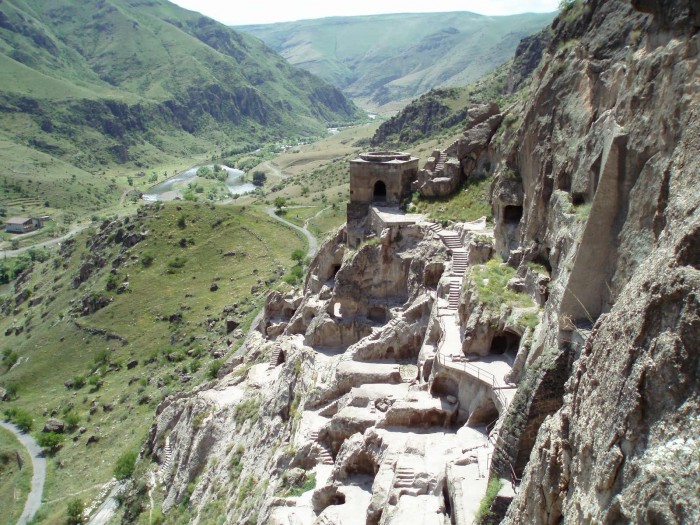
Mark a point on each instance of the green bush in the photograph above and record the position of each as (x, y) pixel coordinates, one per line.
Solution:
(214, 368)
(295, 275)
(21, 418)
(78, 382)
(9, 358)
(72, 420)
(146, 260)
(126, 463)
(50, 441)
(74, 511)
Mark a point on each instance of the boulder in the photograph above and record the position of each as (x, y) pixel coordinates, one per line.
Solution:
(54, 425)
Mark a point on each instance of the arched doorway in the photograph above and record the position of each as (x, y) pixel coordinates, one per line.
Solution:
(379, 192)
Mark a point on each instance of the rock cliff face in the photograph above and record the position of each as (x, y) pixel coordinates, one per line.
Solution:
(413, 369)
(607, 158)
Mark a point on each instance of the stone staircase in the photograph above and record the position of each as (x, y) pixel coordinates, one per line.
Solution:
(404, 477)
(324, 454)
(453, 298)
(275, 358)
(167, 457)
(460, 262)
(440, 162)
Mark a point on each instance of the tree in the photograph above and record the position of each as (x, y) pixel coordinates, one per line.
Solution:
(298, 256)
(50, 441)
(126, 463)
(280, 202)
(21, 418)
(259, 178)
(74, 511)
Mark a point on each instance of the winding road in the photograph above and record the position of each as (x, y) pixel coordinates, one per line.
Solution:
(55, 240)
(39, 472)
(313, 242)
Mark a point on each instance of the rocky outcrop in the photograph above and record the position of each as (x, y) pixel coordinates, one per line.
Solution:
(593, 204)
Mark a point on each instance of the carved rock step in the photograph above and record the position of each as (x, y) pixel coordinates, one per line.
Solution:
(404, 477)
(167, 456)
(324, 454)
(275, 358)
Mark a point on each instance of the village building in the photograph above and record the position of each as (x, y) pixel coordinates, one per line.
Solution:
(379, 181)
(23, 224)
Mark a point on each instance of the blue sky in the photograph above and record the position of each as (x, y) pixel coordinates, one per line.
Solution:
(268, 11)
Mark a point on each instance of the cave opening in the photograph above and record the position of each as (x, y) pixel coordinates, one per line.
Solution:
(512, 214)
(505, 342)
(578, 199)
(377, 314)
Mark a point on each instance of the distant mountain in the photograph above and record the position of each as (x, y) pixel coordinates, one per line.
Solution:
(100, 81)
(385, 58)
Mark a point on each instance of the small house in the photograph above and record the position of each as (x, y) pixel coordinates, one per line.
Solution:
(22, 224)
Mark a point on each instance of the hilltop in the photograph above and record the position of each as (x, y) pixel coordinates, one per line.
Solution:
(386, 60)
(90, 87)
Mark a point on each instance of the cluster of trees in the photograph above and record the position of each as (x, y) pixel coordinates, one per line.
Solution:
(215, 173)
(11, 268)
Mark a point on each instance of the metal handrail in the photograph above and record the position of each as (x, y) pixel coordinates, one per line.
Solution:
(481, 375)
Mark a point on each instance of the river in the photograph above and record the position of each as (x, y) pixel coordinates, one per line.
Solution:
(170, 188)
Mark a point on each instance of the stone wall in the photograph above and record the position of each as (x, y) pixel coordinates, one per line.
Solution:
(540, 395)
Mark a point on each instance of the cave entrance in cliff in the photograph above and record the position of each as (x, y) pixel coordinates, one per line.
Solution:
(377, 314)
(504, 342)
(379, 194)
(512, 214)
(336, 269)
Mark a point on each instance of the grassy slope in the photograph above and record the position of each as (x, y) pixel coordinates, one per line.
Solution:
(102, 90)
(53, 349)
(390, 57)
(14, 482)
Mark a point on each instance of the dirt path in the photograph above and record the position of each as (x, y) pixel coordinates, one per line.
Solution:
(274, 169)
(313, 242)
(38, 475)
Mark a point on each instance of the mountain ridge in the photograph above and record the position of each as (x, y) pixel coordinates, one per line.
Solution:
(380, 59)
(148, 67)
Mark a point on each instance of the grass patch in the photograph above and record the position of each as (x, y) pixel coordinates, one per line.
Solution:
(491, 280)
(492, 490)
(293, 488)
(469, 203)
(583, 211)
(15, 480)
(529, 320)
(248, 410)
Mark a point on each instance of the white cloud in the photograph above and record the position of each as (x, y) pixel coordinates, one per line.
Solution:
(268, 11)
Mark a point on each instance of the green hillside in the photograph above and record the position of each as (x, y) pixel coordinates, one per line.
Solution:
(384, 58)
(94, 84)
(123, 315)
